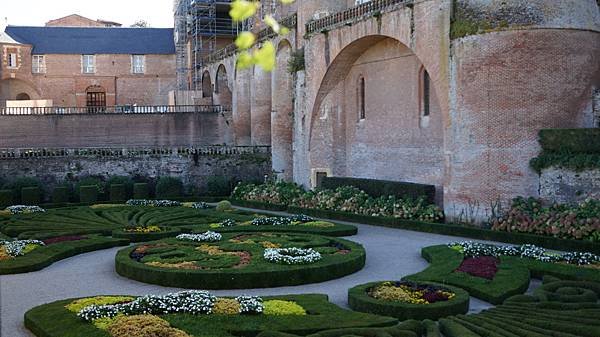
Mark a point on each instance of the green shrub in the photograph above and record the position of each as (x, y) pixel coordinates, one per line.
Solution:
(296, 62)
(118, 192)
(378, 188)
(169, 187)
(219, 186)
(223, 206)
(141, 191)
(127, 182)
(30, 196)
(88, 194)
(6, 198)
(91, 181)
(570, 140)
(60, 194)
(18, 184)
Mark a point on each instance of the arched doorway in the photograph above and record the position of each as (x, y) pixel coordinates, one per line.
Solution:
(223, 94)
(23, 97)
(95, 99)
(207, 89)
(282, 114)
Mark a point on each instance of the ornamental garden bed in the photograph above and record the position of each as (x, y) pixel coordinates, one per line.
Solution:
(408, 300)
(32, 255)
(146, 233)
(187, 312)
(240, 260)
(451, 264)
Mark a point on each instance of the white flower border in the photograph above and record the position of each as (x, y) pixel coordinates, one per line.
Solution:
(204, 237)
(15, 248)
(20, 209)
(292, 255)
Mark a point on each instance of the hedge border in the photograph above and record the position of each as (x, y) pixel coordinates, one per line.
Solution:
(166, 232)
(240, 278)
(359, 300)
(259, 205)
(40, 260)
(453, 230)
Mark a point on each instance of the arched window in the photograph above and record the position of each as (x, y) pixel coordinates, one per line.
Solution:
(23, 97)
(362, 111)
(206, 85)
(426, 94)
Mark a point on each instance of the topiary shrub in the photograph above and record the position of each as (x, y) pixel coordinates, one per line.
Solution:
(60, 194)
(118, 192)
(143, 326)
(141, 191)
(88, 194)
(91, 181)
(169, 187)
(18, 184)
(6, 198)
(219, 186)
(223, 206)
(30, 196)
(127, 182)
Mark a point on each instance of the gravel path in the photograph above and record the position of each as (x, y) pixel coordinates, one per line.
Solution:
(391, 254)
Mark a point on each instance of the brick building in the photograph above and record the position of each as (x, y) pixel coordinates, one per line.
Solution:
(87, 66)
(75, 20)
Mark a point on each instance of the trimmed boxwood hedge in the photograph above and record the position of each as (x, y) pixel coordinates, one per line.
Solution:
(259, 274)
(410, 328)
(259, 205)
(30, 195)
(359, 300)
(60, 195)
(44, 256)
(377, 188)
(166, 232)
(570, 140)
(53, 320)
(6, 198)
(336, 230)
(118, 192)
(141, 191)
(88, 194)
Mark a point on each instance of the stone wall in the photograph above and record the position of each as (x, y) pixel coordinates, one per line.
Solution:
(567, 186)
(193, 167)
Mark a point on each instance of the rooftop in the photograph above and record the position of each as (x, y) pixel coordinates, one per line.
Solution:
(92, 40)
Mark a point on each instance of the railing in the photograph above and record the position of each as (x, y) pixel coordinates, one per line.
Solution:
(267, 33)
(353, 14)
(32, 153)
(121, 109)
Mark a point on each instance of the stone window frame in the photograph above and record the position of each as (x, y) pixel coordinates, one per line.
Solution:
(138, 69)
(38, 67)
(12, 56)
(425, 87)
(88, 69)
(361, 98)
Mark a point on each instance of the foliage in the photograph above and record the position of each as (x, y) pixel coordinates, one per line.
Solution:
(280, 307)
(31, 195)
(292, 255)
(61, 194)
(223, 206)
(143, 326)
(481, 266)
(219, 186)
(153, 203)
(528, 215)
(410, 292)
(204, 237)
(25, 209)
(121, 180)
(226, 306)
(91, 181)
(18, 184)
(141, 191)
(278, 193)
(6, 198)
(575, 149)
(81, 303)
(118, 192)
(378, 188)
(296, 62)
(169, 187)
(88, 194)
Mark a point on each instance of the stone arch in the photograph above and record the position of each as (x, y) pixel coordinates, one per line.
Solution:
(242, 121)
(260, 107)
(207, 89)
(23, 97)
(282, 119)
(223, 95)
(11, 88)
(390, 143)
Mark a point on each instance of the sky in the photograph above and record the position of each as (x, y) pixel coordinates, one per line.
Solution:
(158, 13)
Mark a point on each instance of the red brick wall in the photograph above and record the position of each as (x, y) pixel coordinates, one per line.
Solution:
(74, 21)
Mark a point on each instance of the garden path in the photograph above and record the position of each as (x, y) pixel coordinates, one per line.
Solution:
(391, 254)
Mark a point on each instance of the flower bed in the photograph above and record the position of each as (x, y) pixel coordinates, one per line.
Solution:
(67, 238)
(481, 266)
(303, 314)
(291, 255)
(153, 203)
(238, 261)
(145, 233)
(408, 300)
(204, 237)
(22, 209)
(344, 199)
(580, 222)
(12, 249)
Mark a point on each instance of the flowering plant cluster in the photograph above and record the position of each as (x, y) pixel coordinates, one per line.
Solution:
(20, 247)
(204, 237)
(282, 221)
(192, 302)
(410, 292)
(65, 238)
(228, 223)
(200, 205)
(292, 255)
(22, 209)
(343, 199)
(279, 307)
(143, 229)
(481, 266)
(153, 203)
(476, 249)
(528, 215)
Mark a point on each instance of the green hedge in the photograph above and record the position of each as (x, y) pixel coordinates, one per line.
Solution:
(169, 187)
(455, 230)
(6, 198)
(260, 274)
(44, 256)
(141, 191)
(259, 205)
(409, 328)
(42, 320)
(118, 192)
(570, 140)
(60, 195)
(88, 194)
(166, 232)
(30, 196)
(338, 230)
(377, 188)
(359, 300)
(569, 291)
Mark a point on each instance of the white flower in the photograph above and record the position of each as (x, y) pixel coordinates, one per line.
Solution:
(204, 237)
(20, 209)
(291, 255)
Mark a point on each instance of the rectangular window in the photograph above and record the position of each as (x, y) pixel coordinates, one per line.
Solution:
(138, 64)
(362, 111)
(88, 63)
(38, 64)
(12, 59)
(426, 94)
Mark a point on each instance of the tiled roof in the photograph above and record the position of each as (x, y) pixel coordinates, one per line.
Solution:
(92, 40)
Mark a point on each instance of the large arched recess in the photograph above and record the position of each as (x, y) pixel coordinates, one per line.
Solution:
(282, 114)
(207, 89)
(260, 107)
(394, 141)
(9, 89)
(222, 95)
(242, 128)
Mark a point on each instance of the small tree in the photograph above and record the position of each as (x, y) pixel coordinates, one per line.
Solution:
(140, 24)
